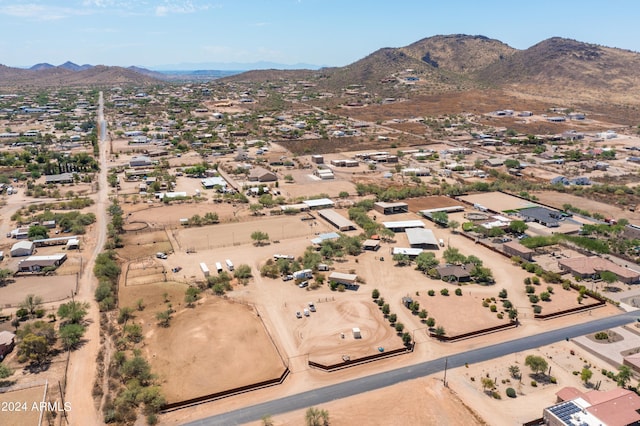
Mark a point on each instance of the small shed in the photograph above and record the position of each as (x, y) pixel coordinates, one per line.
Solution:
(356, 333)
(73, 244)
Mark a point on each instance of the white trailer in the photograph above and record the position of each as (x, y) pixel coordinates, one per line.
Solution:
(219, 267)
(204, 268)
(229, 264)
(302, 274)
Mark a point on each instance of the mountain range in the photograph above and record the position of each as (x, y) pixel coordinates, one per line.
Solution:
(554, 68)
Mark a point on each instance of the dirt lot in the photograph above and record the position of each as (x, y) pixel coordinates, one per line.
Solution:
(497, 201)
(240, 341)
(145, 243)
(321, 334)
(278, 228)
(159, 214)
(50, 288)
(417, 204)
(17, 406)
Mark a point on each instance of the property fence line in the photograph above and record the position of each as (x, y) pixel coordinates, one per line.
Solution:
(224, 394)
(17, 387)
(360, 361)
(44, 398)
(511, 324)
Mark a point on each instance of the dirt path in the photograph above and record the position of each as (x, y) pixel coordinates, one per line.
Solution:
(82, 369)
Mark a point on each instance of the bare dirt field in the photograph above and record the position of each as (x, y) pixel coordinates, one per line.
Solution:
(160, 214)
(229, 234)
(138, 244)
(326, 335)
(243, 352)
(476, 316)
(17, 406)
(51, 288)
(497, 201)
(417, 204)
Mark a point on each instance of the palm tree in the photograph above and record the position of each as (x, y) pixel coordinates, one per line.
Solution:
(316, 417)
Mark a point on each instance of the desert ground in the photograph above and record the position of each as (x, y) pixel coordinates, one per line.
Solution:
(17, 407)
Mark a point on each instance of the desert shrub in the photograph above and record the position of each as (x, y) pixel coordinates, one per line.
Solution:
(496, 395)
(500, 315)
(431, 293)
(534, 383)
(575, 373)
(537, 309)
(458, 292)
(533, 298)
(604, 372)
(493, 308)
(601, 335)
(553, 380)
(511, 393)
(485, 304)
(444, 292)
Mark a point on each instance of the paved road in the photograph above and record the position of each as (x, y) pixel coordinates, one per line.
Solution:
(380, 380)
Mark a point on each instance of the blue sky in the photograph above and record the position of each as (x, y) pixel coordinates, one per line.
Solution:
(322, 32)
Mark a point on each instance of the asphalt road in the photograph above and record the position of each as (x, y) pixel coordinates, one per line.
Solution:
(388, 378)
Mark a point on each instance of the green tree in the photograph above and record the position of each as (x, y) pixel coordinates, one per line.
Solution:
(536, 363)
(585, 375)
(425, 261)
(452, 255)
(33, 348)
(375, 294)
(71, 334)
(487, 384)
(73, 311)
(401, 259)
(242, 272)
(518, 226)
(164, 318)
(4, 274)
(316, 417)
(31, 303)
(5, 371)
(191, 295)
(454, 225)
(624, 375)
(399, 327)
(514, 370)
(38, 232)
(259, 237)
(608, 277)
(431, 322)
(441, 218)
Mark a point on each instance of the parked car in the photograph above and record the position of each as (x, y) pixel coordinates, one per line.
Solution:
(306, 312)
(177, 269)
(298, 314)
(287, 277)
(303, 284)
(312, 307)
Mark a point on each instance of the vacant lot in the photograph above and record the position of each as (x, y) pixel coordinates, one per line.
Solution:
(17, 406)
(51, 288)
(558, 199)
(497, 201)
(242, 353)
(222, 235)
(424, 203)
(139, 244)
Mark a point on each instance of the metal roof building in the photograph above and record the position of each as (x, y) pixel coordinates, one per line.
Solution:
(402, 225)
(391, 208)
(411, 252)
(421, 238)
(36, 263)
(319, 203)
(328, 236)
(337, 220)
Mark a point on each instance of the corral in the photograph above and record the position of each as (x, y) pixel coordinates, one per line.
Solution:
(17, 406)
(51, 288)
(327, 334)
(433, 202)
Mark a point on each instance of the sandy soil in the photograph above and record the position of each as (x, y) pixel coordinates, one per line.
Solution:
(240, 341)
(497, 201)
(417, 204)
(17, 406)
(51, 288)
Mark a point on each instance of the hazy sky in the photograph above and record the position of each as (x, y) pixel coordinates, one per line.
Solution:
(322, 32)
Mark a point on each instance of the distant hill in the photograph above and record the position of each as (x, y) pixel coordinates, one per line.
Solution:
(41, 66)
(70, 75)
(554, 69)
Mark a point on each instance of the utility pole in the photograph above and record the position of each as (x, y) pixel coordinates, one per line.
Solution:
(446, 363)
